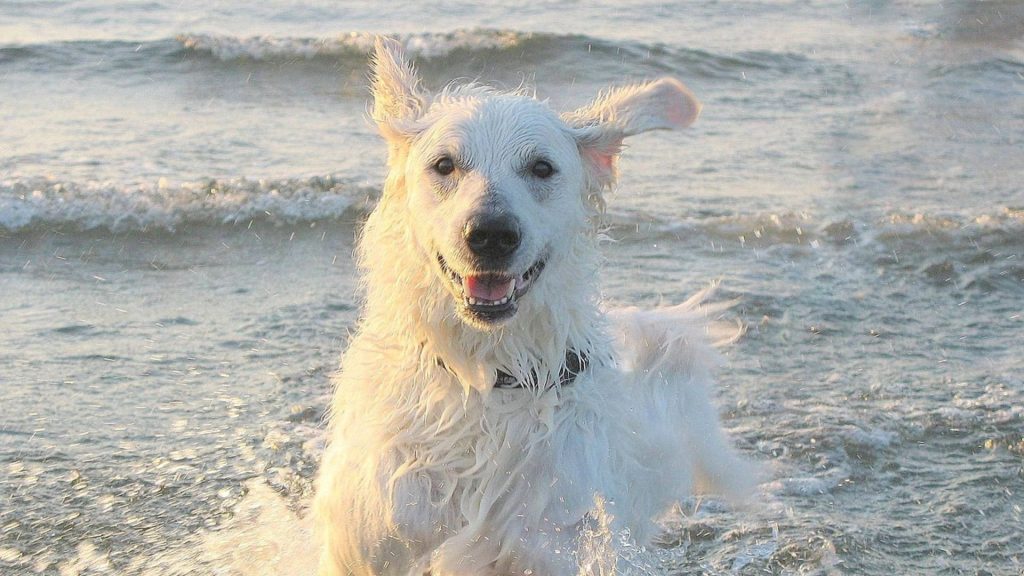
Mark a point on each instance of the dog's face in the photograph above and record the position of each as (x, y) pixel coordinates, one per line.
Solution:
(494, 186)
(497, 184)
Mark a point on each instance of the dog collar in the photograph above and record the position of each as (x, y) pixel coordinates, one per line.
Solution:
(575, 363)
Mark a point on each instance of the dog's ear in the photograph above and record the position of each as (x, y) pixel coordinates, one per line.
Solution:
(601, 126)
(397, 96)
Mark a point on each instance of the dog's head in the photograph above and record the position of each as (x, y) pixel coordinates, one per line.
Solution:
(497, 184)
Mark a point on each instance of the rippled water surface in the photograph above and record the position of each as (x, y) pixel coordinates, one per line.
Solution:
(181, 184)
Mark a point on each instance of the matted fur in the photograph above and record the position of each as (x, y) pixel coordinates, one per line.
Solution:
(428, 467)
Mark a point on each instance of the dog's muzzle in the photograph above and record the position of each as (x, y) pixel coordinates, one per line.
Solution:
(490, 297)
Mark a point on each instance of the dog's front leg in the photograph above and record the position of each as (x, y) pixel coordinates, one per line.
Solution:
(368, 525)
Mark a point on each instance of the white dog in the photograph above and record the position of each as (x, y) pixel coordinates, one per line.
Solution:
(485, 400)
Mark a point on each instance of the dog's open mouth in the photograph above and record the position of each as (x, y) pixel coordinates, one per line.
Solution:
(488, 296)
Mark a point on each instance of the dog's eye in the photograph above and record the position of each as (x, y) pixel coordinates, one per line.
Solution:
(444, 166)
(542, 169)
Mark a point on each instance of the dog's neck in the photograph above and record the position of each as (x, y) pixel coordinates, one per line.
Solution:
(408, 300)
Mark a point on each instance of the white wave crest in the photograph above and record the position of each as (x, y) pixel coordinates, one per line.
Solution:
(422, 45)
(814, 231)
(162, 206)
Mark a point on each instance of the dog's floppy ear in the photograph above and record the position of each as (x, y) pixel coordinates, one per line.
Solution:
(397, 97)
(619, 113)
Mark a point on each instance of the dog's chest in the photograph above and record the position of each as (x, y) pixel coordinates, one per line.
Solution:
(503, 459)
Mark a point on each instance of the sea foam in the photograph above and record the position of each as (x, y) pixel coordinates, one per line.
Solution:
(48, 203)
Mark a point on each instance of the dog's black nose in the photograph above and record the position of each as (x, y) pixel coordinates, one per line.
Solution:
(490, 236)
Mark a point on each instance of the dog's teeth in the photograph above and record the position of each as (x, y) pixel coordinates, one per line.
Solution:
(478, 302)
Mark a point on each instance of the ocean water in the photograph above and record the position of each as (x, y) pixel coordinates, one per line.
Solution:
(181, 184)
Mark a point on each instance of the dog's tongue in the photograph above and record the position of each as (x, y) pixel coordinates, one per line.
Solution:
(488, 286)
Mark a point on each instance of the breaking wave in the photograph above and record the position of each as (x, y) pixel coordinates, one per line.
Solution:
(348, 50)
(1002, 225)
(44, 203)
(422, 45)
(525, 46)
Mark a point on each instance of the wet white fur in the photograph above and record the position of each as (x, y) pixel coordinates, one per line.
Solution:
(428, 468)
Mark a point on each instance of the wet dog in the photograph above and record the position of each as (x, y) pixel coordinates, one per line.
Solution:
(487, 404)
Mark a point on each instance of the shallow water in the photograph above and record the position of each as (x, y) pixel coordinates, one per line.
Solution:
(181, 184)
